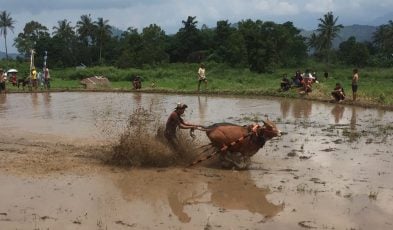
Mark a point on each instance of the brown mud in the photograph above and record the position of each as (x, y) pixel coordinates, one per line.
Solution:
(332, 169)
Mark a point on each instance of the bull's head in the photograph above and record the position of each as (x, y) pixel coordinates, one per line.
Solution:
(269, 130)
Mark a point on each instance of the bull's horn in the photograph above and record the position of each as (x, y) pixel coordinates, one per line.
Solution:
(279, 133)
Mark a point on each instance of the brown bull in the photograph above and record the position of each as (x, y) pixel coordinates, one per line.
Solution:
(236, 144)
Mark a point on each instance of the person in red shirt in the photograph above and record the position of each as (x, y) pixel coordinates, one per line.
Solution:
(2, 80)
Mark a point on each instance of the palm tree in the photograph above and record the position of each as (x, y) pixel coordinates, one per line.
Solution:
(85, 28)
(64, 42)
(64, 29)
(327, 31)
(6, 23)
(103, 32)
(313, 41)
(383, 38)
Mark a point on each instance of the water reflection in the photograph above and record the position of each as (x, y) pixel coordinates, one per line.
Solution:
(353, 120)
(47, 102)
(352, 125)
(240, 193)
(338, 112)
(47, 98)
(285, 105)
(202, 106)
(137, 99)
(381, 113)
(34, 100)
(225, 190)
(302, 108)
(3, 98)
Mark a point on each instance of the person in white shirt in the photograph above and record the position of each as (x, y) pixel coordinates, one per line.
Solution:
(202, 76)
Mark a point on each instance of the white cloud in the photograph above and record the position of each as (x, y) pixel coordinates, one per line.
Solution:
(319, 6)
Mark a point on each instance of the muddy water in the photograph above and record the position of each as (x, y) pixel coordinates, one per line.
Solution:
(332, 169)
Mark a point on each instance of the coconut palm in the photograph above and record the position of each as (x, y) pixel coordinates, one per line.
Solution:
(85, 28)
(383, 38)
(103, 31)
(64, 40)
(313, 41)
(6, 23)
(64, 29)
(327, 31)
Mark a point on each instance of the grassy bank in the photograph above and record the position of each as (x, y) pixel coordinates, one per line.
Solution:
(375, 84)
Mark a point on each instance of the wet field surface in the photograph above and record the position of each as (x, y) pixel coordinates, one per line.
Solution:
(331, 170)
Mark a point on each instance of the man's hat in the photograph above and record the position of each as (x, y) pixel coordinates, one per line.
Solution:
(181, 106)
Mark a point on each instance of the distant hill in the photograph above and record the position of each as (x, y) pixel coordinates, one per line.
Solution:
(362, 33)
(10, 55)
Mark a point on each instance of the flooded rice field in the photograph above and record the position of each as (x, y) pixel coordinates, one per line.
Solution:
(331, 170)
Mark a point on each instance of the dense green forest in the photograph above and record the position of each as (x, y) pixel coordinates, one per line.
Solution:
(260, 46)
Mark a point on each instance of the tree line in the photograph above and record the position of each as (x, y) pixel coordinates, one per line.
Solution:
(261, 46)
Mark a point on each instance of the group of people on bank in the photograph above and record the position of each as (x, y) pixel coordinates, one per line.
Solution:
(304, 82)
(41, 79)
(34, 79)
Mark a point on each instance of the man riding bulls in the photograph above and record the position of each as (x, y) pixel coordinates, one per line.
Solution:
(174, 121)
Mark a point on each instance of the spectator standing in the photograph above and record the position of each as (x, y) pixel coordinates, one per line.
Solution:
(46, 78)
(3, 79)
(202, 76)
(34, 78)
(355, 79)
(14, 79)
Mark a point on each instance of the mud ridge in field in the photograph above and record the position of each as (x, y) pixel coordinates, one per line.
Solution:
(143, 144)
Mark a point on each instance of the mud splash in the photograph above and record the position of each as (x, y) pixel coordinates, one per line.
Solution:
(143, 144)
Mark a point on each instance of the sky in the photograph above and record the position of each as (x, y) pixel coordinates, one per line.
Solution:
(168, 14)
